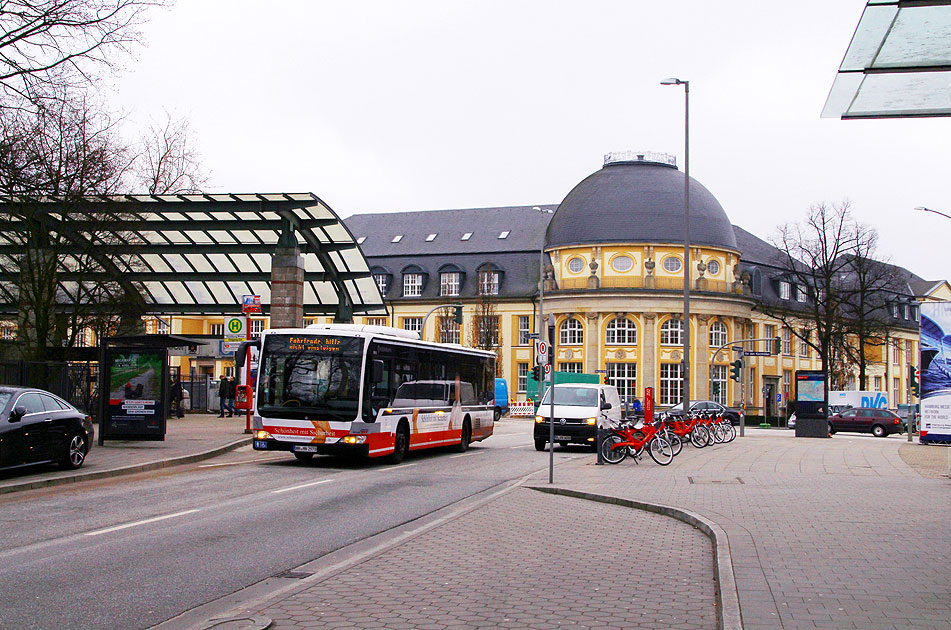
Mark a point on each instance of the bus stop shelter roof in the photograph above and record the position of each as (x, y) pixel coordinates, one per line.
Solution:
(898, 63)
(189, 254)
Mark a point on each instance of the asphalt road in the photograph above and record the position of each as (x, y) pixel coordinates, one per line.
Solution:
(131, 552)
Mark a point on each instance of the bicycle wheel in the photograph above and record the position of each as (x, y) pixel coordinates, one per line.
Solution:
(718, 433)
(660, 451)
(675, 442)
(613, 455)
(698, 437)
(730, 432)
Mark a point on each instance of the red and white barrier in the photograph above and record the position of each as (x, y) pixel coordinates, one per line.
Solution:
(522, 408)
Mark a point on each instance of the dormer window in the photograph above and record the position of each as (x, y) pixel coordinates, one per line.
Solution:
(785, 290)
(800, 293)
(412, 284)
(488, 283)
(449, 283)
(381, 281)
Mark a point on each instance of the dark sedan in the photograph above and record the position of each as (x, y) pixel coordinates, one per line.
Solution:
(37, 427)
(878, 422)
(733, 415)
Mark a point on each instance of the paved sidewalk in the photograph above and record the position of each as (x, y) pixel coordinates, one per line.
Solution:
(188, 439)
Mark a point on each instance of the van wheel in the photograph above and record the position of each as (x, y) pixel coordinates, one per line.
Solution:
(878, 430)
(400, 444)
(540, 445)
(466, 437)
(497, 415)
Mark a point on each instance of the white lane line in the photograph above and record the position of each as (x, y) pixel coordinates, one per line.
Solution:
(250, 461)
(144, 522)
(389, 468)
(466, 454)
(303, 485)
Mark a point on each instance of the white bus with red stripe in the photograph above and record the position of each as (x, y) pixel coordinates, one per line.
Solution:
(367, 390)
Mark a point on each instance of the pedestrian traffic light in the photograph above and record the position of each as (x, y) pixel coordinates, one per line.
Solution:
(736, 370)
(913, 377)
(458, 315)
(536, 373)
(776, 345)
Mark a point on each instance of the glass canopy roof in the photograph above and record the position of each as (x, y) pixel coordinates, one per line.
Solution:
(187, 254)
(898, 63)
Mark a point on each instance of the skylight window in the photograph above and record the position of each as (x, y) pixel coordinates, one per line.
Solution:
(431, 237)
(360, 240)
(504, 234)
(397, 238)
(466, 236)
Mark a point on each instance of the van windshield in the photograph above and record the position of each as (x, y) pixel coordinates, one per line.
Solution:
(573, 396)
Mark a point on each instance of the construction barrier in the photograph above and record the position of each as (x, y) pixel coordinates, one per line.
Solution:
(522, 408)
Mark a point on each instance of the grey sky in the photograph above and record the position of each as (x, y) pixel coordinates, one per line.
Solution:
(385, 106)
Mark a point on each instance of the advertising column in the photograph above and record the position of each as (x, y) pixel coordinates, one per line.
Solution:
(935, 372)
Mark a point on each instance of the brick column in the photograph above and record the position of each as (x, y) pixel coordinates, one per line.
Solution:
(648, 352)
(287, 288)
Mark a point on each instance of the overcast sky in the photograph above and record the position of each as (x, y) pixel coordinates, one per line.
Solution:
(410, 105)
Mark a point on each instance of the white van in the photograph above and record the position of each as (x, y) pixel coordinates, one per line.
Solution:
(577, 409)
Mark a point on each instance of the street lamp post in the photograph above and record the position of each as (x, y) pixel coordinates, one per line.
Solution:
(687, 273)
(924, 209)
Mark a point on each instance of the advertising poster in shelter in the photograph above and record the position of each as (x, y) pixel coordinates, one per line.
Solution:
(136, 379)
(935, 370)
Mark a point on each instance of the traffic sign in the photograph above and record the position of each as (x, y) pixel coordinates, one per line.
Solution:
(236, 328)
(737, 348)
(759, 353)
(547, 369)
(228, 347)
(542, 353)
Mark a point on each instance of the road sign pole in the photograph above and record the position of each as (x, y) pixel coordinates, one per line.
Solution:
(742, 393)
(551, 408)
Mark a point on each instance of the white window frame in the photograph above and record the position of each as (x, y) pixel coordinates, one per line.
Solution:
(485, 325)
(671, 383)
(216, 330)
(877, 383)
(804, 343)
(719, 377)
(624, 377)
(719, 334)
(571, 332)
(672, 332)
(522, 382)
(449, 283)
(488, 283)
(787, 341)
(382, 282)
(412, 284)
(785, 290)
(673, 259)
(524, 330)
(449, 330)
(571, 367)
(255, 328)
(571, 264)
(413, 324)
(713, 266)
(620, 331)
(800, 293)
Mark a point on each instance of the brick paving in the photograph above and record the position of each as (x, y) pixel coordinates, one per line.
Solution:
(524, 560)
(930, 460)
(837, 533)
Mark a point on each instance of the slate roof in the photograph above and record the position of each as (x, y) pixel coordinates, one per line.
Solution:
(639, 202)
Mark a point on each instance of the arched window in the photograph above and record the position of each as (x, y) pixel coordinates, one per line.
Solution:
(621, 331)
(572, 332)
(672, 332)
(718, 334)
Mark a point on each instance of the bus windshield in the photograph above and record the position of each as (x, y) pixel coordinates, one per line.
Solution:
(311, 377)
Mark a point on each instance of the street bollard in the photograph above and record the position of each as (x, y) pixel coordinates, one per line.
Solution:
(598, 440)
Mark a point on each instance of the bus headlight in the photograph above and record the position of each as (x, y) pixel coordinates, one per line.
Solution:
(262, 435)
(355, 439)
(591, 421)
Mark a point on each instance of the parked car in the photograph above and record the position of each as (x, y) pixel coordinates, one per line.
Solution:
(37, 427)
(733, 415)
(878, 422)
(577, 409)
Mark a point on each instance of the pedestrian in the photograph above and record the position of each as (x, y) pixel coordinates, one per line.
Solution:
(178, 395)
(232, 390)
(222, 396)
(636, 405)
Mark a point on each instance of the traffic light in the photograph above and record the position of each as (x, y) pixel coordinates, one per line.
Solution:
(458, 315)
(715, 389)
(736, 370)
(536, 373)
(776, 345)
(913, 377)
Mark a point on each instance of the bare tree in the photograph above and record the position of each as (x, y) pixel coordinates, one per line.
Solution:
(485, 329)
(814, 255)
(168, 162)
(48, 45)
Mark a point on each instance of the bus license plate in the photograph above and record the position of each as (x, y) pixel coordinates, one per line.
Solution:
(562, 437)
(305, 449)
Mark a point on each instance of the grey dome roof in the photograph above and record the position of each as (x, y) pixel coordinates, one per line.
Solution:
(638, 202)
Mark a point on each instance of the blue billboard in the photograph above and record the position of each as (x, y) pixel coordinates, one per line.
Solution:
(935, 370)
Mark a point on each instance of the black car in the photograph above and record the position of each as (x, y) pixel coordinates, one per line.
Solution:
(37, 427)
(733, 415)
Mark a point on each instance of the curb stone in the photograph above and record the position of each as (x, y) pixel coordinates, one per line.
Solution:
(730, 617)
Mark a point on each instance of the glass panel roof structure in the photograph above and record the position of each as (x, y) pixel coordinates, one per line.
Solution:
(898, 63)
(188, 254)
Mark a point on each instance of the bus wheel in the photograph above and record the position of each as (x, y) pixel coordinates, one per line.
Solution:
(466, 437)
(400, 444)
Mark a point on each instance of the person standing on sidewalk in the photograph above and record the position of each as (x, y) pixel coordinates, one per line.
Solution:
(222, 396)
(232, 390)
(178, 395)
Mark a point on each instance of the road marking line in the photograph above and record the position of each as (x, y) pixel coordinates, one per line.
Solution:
(144, 522)
(394, 467)
(303, 485)
(466, 454)
(250, 461)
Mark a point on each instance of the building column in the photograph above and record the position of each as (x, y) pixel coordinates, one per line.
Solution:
(287, 287)
(592, 342)
(648, 352)
(701, 360)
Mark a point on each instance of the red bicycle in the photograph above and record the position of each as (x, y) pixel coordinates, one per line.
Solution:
(635, 438)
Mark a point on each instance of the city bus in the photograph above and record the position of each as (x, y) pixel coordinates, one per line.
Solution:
(372, 391)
